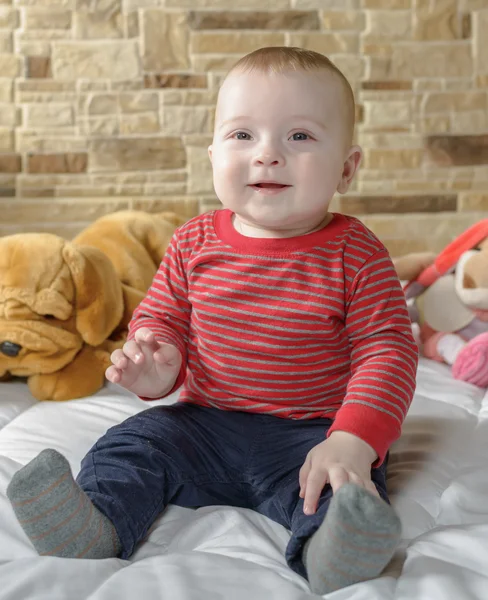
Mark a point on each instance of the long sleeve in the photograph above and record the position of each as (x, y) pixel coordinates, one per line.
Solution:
(384, 357)
(166, 309)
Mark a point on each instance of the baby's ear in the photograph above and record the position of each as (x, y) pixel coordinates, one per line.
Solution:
(210, 150)
(351, 165)
(98, 303)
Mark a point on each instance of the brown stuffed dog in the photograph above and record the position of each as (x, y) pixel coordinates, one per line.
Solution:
(65, 306)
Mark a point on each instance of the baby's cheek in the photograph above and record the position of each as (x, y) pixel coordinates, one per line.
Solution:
(232, 163)
(228, 173)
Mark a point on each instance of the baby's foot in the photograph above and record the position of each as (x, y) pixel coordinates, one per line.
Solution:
(56, 514)
(355, 542)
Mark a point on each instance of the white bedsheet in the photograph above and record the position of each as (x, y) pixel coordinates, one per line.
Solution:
(438, 482)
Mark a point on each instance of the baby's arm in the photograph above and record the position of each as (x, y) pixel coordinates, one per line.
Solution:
(384, 357)
(153, 361)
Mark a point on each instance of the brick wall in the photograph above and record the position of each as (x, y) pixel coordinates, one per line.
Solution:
(108, 104)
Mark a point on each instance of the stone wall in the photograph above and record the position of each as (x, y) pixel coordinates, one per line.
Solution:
(108, 104)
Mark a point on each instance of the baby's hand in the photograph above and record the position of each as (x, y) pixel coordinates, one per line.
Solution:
(341, 458)
(145, 366)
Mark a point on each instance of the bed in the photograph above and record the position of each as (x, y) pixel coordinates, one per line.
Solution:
(438, 482)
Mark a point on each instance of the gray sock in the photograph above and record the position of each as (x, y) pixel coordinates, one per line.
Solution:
(355, 542)
(56, 514)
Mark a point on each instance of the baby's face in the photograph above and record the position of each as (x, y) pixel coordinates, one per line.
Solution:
(280, 146)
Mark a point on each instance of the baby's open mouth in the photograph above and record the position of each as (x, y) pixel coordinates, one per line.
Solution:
(270, 186)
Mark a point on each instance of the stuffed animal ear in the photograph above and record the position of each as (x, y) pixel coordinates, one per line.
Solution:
(98, 303)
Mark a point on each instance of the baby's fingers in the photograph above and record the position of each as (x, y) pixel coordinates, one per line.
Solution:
(133, 351)
(119, 359)
(302, 476)
(145, 336)
(338, 476)
(113, 374)
(316, 481)
(367, 484)
(354, 478)
(120, 362)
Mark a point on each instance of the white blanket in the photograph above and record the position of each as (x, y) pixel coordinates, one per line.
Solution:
(438, 482)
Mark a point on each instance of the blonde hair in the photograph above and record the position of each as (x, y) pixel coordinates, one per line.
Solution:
(282, 59)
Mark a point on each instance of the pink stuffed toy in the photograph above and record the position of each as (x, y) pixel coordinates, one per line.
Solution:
(449, 302)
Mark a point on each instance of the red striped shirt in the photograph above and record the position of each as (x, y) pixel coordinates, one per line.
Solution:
(306, 327)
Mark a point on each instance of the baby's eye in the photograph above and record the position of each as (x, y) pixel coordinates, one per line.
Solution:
(300, 136)
(242, 135)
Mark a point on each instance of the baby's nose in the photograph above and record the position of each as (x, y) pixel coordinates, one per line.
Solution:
(269, 159)
(10, 348)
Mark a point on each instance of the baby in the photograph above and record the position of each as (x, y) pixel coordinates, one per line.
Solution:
(285, 326)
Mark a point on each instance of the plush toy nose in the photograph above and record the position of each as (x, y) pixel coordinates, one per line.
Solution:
(10, 349)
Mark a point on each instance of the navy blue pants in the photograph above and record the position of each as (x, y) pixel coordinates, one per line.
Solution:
(194, 456)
